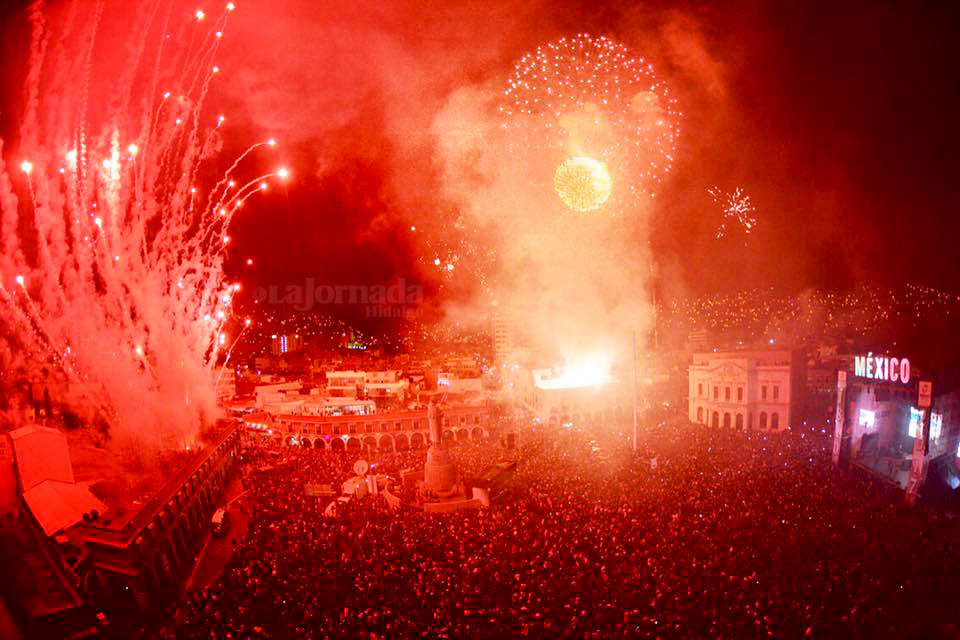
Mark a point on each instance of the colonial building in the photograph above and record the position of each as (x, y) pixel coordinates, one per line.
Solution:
(743, 389)
(126, 556)
(399, 430)
(558, 403)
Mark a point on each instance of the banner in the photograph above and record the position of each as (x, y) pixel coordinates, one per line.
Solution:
(839, 417)
(918, 468)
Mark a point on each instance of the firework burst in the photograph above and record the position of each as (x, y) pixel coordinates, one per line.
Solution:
(591, 98)
(112, 287)
(736, 209)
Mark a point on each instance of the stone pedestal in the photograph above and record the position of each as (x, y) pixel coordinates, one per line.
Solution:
(439, 474)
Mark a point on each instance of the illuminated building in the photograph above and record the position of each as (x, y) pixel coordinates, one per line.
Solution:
(107, 552)
(372, 384)
(503, 329)
(285, 343)
(385, 385)
(883, 428)
(279, 392)
(345, 384)
(317, 405)
(400, 430)
(751, 390)
(558, 398)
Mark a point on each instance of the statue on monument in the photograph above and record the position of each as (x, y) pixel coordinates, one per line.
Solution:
(439, 473)
(435, 421)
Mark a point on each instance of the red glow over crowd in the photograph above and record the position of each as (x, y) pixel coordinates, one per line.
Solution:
(705, 534)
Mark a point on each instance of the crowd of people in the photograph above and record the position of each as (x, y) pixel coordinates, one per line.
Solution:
(883, 315)
(702, 534)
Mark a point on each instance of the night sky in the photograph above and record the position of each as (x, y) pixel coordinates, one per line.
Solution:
(839, 120)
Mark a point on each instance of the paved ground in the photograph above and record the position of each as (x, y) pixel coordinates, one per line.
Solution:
(216, 552)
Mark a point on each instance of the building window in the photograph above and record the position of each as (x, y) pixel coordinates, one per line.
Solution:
(700, 389)
(763, 392)
(336, 430)
(740, 399)
(739, 422)
(763, 418)
(774, 419)
(726, 394)
(750, 421)
(716, 419)
(776, 392)
(699, 414)
(716, 393)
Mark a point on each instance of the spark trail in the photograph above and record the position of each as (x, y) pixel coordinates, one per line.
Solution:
(112, 287)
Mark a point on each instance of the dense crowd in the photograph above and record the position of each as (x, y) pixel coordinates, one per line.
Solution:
(704, 534)
(813, 315)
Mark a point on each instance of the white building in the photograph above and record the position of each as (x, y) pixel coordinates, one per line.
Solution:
(743, 390)
(277, 393)
(453, 383)
(374, 384)
(553, 401)
(386, 384)
(344, 384)
(318, 405)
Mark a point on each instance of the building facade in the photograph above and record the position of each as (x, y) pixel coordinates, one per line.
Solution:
(398, 431)
(752, 390)
(138, 560)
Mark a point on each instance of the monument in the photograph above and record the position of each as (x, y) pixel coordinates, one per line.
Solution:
(439, 474)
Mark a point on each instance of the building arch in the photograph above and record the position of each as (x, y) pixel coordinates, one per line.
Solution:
(726, 419)
(463, 435)
(716, 419)
(416, 441)
(447, 436)
(369, 443)
(386, 443)
(763, 419)
(477, 434)
(699, 414)
(354, 444)
(402, 443)
(337, 444)
(774, 421)
(739, 422)
(319, 444)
